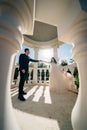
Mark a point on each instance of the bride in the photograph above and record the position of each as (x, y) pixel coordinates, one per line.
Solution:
(59, 81)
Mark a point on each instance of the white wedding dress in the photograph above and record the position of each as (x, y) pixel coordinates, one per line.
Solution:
(59, 81)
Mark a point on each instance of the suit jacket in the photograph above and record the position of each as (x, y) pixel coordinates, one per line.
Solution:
(24, 62)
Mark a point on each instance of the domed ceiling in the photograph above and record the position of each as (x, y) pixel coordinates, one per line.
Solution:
(43, 32)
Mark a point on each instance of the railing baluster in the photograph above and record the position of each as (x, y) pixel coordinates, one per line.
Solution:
(45, 75)
(40, 75)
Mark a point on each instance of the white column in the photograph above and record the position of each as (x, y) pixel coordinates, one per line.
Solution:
(79, 113)
(15, 20)
(35, 64)
(9, 44)
(11, 39)
(55, 52)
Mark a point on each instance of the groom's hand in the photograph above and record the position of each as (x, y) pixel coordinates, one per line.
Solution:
(23, 71)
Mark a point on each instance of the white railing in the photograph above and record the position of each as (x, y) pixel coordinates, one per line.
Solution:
(42, 75)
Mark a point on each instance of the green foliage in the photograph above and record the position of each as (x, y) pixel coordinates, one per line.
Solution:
(72, 61)
(75, 73)
(64, 63)
(47, 73)
(76, 76)
(31, 65)
(77, 81)
(41, 65)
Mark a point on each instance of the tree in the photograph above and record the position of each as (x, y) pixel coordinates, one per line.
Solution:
(31, 65)
(72, 61)
(75, 73)
(41, 65)
(64, 63)
(76, 76)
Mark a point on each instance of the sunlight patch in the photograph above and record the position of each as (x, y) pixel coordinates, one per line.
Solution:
(47, 96)
(38, 94)
(31, 92)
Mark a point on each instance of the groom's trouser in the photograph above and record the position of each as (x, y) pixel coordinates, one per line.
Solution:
(23, 77)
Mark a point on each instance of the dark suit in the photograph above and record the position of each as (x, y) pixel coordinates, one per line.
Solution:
(24, 64)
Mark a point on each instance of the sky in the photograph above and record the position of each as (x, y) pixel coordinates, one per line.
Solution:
(64, 53)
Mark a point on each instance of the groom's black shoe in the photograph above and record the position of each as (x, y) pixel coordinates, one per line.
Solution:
(21, 98)
(24, 93)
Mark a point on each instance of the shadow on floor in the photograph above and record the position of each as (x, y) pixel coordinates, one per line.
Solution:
(41, 102)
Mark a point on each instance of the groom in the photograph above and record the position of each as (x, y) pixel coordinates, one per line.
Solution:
(24, 60)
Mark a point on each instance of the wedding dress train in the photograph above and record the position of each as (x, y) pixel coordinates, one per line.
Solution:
(59, 81)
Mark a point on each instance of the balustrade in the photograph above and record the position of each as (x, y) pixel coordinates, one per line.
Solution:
(43, 74)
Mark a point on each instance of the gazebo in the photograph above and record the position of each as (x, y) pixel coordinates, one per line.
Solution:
(25, 22)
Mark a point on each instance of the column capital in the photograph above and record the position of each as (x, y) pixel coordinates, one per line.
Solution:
(80, 45)
(79, 38)
(79, 30)
(11, 36)
(18, 13)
